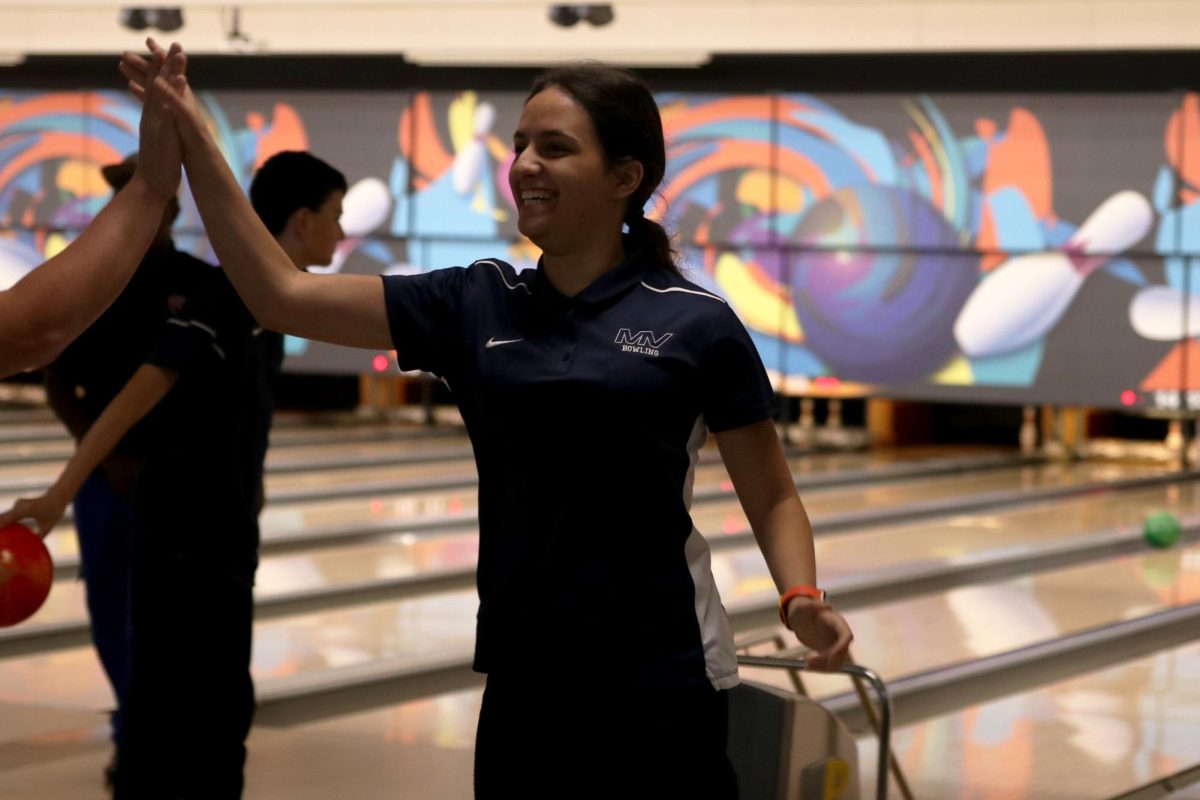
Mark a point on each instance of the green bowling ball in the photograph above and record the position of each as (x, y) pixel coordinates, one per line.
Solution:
(1162, 529)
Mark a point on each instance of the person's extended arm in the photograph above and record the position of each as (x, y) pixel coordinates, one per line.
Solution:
(343, 309)
(54, 303)
(764, 485)
(148, 386)
(45, 310)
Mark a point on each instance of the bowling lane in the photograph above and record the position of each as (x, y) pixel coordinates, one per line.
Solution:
(45, 458)
(896, 639)
(939, 542)
(20, 453)
(32, 432)
(970, 622)
(970, 538)
(347, 428)
(323, 467)
(394, 557)
(332, 456)
(22, 414)
(709, 474)
(722, 515)
(1095, 735)
(412, 632)
(301, 520)
(296, 521)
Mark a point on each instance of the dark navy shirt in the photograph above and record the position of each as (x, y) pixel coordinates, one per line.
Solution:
(586, 414)
(198, 495)
(90, 372)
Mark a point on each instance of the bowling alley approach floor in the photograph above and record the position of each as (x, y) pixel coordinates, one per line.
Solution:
(51, 753)
(368, 559)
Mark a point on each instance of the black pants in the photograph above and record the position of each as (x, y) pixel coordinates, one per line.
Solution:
(536, 741)
(190, 698)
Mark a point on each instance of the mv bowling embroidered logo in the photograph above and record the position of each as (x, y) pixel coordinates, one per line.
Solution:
(644, 342)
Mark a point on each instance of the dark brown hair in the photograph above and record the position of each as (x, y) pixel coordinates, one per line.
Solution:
(628, 125)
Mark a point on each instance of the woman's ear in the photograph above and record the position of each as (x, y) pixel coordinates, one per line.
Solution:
(629, 173)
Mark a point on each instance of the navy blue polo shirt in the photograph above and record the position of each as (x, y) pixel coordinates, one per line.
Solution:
(586, 415)
(199, 492)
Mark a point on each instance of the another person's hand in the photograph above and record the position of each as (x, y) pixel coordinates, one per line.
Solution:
(818, 626)
(166, 97)
(159, 157)
(47, 511)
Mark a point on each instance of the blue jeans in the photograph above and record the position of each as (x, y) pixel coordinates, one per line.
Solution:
(104, 525)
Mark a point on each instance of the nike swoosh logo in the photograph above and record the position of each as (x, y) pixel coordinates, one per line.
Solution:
(494, 342)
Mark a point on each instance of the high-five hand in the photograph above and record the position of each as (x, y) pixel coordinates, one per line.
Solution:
(164, 92)
(158, 151)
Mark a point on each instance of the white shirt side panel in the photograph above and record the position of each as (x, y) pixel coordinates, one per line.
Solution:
(720, 659)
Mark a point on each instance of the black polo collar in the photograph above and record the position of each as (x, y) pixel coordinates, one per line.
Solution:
(616, 281)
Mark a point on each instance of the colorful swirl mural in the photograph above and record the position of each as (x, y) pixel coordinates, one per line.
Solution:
(896, 244)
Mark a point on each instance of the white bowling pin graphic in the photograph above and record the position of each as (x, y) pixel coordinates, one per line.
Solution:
(365, 207)
(1157, 313)
(1025, 297)
(469, 161)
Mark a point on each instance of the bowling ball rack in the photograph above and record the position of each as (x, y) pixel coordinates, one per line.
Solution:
(784, 745)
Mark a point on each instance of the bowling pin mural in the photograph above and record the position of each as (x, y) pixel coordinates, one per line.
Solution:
(1025, 297)
(1165, 314)
(473, 154)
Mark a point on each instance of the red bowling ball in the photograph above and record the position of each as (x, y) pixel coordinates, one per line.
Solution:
(26, 573)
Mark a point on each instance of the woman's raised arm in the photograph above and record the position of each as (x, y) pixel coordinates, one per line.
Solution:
(343, 309)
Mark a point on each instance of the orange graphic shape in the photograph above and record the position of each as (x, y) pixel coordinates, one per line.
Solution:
(420, 143)
(681, 119)
(986, 129)
(54, 145)
(1182, 143)
(72, 103)
(749, 155)
(1166, 376)
(286, 133)
(1021, 159)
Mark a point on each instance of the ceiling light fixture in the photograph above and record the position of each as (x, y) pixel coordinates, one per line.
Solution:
(566, 16)
(166, 19)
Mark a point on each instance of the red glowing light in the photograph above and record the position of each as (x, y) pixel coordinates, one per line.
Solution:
(826, 381)
(380, 363)
(1128, 397)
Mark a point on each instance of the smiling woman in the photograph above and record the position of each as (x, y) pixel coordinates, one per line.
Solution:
(588, 387)
(603, 122)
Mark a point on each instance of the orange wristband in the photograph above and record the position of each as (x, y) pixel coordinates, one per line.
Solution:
(799, 590)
